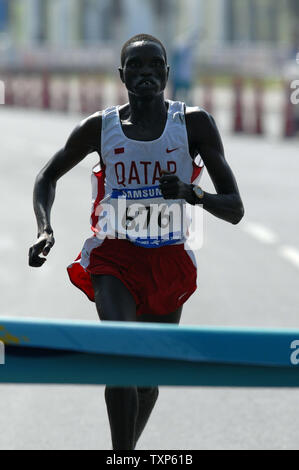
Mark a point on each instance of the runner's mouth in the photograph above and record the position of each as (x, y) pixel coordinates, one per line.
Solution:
(146, 82)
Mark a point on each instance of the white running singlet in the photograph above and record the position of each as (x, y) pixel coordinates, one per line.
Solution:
(126, 199)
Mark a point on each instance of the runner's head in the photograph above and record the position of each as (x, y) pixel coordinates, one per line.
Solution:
(141, 38)
(144, 68)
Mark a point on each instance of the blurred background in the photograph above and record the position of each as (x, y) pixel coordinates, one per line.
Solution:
(235, 58)
(226, 55)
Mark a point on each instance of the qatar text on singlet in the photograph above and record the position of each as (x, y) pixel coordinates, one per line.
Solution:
(126, 201)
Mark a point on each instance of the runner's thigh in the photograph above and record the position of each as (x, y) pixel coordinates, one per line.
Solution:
(114, 301)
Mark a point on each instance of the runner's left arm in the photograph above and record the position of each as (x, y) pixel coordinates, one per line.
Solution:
(206, 141)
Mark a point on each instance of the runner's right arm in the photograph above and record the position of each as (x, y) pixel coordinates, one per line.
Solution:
(84, 140)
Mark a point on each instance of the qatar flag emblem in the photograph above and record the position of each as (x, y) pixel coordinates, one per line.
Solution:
(119, 150)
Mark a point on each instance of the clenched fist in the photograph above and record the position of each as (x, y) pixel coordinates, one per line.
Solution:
(42, 246)
(173, 188)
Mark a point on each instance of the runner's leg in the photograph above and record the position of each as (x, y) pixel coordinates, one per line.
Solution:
(114, 302)
(147, 396)
(174, 317)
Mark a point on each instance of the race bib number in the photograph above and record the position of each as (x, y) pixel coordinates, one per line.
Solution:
(144, 217)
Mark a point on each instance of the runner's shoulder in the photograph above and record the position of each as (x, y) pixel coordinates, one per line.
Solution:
(91, 124)
(87, 134)
(200, 124)
(198, 116)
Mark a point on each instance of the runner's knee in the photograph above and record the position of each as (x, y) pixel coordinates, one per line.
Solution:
(118, 396)
(148, 391)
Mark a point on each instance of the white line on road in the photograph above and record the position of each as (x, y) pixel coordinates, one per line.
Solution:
(265, 235)
(260, 232)
(290, 254)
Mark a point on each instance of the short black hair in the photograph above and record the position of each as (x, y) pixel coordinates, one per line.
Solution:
(141, 37)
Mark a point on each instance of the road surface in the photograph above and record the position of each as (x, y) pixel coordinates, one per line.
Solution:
(248, 276)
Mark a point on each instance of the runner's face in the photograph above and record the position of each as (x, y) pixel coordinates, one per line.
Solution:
(145, 71)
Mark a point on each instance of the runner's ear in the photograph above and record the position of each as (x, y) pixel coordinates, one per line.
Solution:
(168, 69)
(121, 74)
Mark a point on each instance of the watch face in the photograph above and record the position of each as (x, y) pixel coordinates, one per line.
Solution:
(199, 192)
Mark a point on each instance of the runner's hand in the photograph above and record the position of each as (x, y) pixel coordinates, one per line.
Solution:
(173, 188)
(43, 245)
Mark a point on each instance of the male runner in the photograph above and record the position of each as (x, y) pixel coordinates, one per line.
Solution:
(147, 150)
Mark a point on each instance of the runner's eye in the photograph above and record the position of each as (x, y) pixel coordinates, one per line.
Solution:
(133, 64)
(158, 63)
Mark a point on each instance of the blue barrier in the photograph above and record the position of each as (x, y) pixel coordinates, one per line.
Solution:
(132, 353)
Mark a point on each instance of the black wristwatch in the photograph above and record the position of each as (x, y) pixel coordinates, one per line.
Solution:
(198, 192)
(197, 195)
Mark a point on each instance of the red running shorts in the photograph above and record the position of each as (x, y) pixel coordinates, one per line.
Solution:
(160, 279)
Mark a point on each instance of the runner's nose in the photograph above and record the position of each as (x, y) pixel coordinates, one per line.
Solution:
(146, 70)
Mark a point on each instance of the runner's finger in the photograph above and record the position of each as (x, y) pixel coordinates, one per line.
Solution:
(34, 260)
(167, 178)
(47, 248)
(38, 247)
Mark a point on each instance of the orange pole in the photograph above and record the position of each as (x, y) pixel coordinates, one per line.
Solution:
(289, 115)
(258, 107)
(238, 120)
